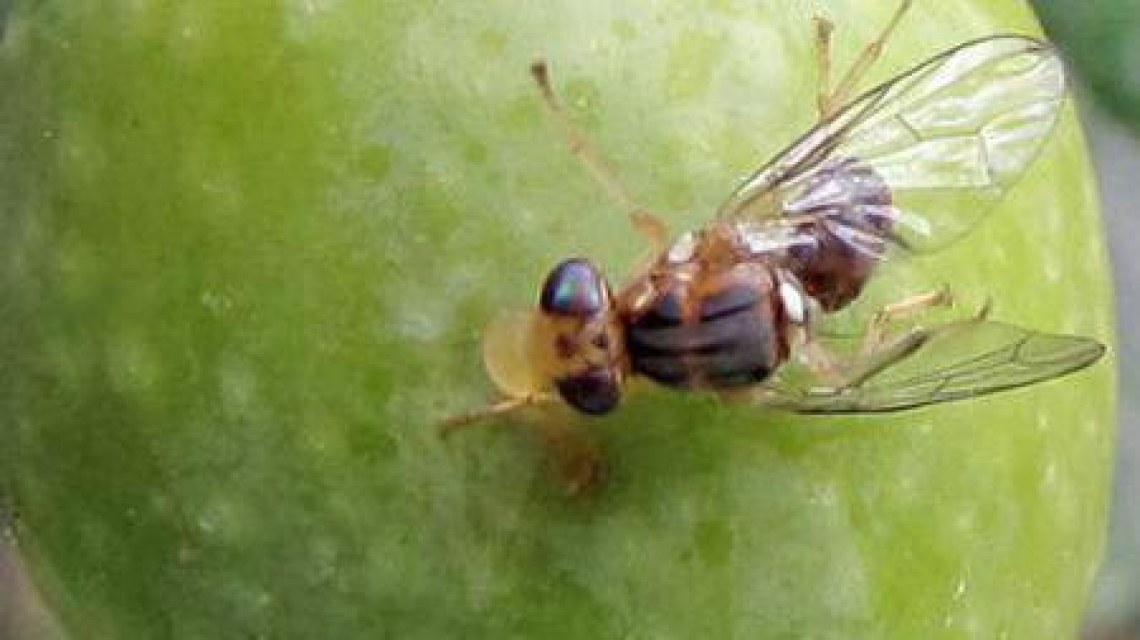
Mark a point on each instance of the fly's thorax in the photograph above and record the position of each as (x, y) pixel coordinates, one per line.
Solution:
(716, 329)
(581, 337)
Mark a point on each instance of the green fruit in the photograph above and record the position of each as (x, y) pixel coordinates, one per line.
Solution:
(248, 250)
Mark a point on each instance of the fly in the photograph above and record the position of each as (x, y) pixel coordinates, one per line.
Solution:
(906, 168)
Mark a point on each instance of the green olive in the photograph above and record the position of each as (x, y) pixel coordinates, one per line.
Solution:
(249, 250)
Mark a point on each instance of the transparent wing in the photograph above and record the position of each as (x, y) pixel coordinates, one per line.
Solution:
(920, 159)
(963, 360)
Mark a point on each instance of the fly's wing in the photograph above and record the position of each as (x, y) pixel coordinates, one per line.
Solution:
(920, 159)
(960, 360)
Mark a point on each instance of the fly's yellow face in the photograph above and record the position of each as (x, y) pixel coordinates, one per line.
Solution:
(571, 343)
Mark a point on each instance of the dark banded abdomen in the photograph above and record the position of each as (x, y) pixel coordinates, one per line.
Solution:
(721, 340)
(850, 217)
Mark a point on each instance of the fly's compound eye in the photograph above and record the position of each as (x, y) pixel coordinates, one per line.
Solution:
(575, 289)
(594, 391)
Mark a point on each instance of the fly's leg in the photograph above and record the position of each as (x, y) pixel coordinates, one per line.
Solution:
(838, 373)
(885, 355)
(495, 409)
(823, 31)
(879, 353)
(877, 332)
(827, 366)
(835, 372)
(830, 103)
(577, 458)
(650, 225)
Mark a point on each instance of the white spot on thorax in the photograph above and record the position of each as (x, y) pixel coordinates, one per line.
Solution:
(794, 303)
(683, 249)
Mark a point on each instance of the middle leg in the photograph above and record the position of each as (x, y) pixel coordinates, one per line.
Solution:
(823, 30)
(880, 352)
(877, 350)
(914, 305)
(649, 224)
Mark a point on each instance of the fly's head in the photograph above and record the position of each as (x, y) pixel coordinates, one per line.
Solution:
(573, 343)
(585, 334)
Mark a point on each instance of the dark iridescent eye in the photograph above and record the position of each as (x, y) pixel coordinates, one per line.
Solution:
(574, 288)
(594, 391)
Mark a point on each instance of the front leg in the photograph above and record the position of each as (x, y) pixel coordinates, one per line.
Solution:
(502, 407)
(651, 226)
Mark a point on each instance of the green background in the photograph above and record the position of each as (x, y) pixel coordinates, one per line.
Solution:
(248, 250)
(1101, 38)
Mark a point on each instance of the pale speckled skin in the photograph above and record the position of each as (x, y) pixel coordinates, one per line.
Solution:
(255, 286)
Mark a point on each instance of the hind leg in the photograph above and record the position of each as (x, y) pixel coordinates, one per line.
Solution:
(831, 100)
(823, 30)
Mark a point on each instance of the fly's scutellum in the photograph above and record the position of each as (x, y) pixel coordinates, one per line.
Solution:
(906, 168)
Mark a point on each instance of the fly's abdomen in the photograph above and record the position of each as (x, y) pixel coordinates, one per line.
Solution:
(849, 214)
(723, 338)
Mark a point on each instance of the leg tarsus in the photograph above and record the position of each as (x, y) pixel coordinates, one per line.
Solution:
(870, 54)
(577, 459)
(823, 30)
(876, 333)
(984, 309)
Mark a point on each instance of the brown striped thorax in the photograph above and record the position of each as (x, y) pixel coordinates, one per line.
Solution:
(905, 169)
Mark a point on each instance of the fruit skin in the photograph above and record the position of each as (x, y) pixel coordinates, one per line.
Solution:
(247, 252)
